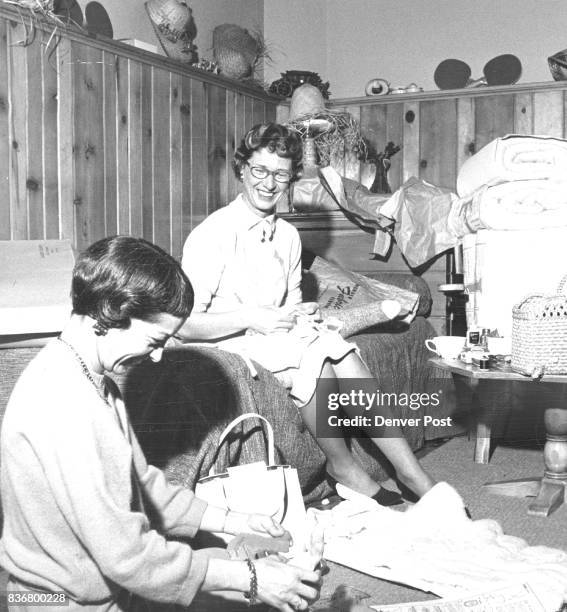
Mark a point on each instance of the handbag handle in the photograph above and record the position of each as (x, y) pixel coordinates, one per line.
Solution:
(234, 423)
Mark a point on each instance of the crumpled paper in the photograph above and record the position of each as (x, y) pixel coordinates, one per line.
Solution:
(416, 215)
(421, 213)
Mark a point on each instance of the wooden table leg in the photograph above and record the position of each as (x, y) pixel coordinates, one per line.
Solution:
(483, 425)
(549, 491)
(483, 414)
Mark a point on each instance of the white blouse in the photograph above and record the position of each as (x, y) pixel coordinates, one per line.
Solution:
(235, 258)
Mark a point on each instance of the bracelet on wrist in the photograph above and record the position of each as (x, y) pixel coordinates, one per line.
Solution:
(252, 594)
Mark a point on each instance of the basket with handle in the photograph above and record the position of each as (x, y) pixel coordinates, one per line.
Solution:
(539, 333)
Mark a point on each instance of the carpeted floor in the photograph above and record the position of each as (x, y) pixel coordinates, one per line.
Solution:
(453, 462)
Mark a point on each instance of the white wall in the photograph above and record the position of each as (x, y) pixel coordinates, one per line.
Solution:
(404, 40)
(349, 42)
(129, 19)
(296, 33)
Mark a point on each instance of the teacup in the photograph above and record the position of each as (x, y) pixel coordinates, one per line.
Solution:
(447, 347)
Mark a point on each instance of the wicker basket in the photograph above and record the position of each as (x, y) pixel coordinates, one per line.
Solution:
(539, 334)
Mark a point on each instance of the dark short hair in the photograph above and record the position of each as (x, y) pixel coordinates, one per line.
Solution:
(122, 277)
(276, 138)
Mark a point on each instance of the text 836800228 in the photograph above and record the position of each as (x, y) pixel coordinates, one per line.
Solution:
(36, 598)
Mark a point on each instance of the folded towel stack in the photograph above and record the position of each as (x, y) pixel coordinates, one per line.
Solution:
(514, 182)
(512, 217)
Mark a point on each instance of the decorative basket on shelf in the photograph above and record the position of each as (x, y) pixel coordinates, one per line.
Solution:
(236, 51)
(539, 334)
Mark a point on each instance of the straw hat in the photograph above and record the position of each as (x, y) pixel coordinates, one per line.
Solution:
(236, 51)
(307, 100)
(175, 28)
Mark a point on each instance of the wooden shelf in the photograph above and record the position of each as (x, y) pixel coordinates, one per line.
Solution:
(130, 52)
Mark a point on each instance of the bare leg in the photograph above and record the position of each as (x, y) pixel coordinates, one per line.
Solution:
(341, 465)
(394, 445)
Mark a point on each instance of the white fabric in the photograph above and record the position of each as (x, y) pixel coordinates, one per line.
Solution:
(512, 158)
(434, 547)
(502, 267)
(517, 205)
(229, 265)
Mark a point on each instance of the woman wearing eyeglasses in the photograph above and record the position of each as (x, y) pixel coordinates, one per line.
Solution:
(245, 266)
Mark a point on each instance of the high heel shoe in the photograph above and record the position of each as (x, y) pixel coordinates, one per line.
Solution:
(385, 497)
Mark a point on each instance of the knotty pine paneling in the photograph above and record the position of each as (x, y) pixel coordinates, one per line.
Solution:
(5, 137)
(98, 138)
(18, 157)
(161, 152)
(49, 110)
(494, 117)
(438, 142)
(199, 155)
(88, 144)
(216, 147)
(176, 165)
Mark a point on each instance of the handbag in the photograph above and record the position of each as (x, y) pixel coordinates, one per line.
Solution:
(539, 334)
(259, 487)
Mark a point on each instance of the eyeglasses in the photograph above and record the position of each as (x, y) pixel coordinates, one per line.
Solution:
(280, 176)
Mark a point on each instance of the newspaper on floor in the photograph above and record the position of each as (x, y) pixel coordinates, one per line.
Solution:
(515, 597)
(434, 547)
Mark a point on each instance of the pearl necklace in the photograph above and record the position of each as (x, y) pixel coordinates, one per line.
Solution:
(84, 367)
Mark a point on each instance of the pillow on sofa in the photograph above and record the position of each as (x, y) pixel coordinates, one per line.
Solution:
(356, 300)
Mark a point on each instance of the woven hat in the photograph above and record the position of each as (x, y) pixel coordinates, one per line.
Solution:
(236, 51)
(307, 100)
(175, 28)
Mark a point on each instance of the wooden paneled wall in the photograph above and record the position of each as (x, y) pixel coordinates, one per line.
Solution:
(98, 138)
(437, 131)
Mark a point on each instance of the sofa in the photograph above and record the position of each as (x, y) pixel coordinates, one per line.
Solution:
(180, 406)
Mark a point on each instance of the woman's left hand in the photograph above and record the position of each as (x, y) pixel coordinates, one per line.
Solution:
(260, 523)
(238, 522)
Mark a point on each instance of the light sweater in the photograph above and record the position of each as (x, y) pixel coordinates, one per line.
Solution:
(235, 258)
(73, 519)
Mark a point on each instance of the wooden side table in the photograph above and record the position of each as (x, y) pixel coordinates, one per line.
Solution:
(549, 490)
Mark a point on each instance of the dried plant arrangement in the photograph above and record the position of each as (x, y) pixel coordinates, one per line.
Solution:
(57, 12)
(334, 133)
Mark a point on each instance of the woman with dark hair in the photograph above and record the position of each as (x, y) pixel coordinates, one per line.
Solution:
(83, 512)
(245, 266)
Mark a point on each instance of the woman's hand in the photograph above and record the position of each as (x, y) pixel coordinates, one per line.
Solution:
(260, 523)
(237, 522)
(310, 309)
(284, 586)
(269, 319)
